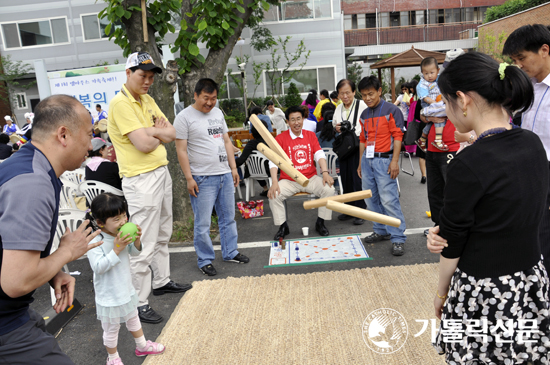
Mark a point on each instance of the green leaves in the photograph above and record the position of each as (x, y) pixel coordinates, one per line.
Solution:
(225, 25)
(119, 11)
(194, 49)
(203, 25)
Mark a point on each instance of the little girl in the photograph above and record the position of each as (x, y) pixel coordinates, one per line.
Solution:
(115, 297)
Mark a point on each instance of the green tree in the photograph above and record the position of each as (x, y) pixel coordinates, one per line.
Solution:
(216, 23)
(510, 7)
(12, 74)
(292, 96)
(355, 74)
(277, 77)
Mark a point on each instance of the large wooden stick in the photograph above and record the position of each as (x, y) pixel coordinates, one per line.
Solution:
(144, 21)
(344, 198)
(268, 138)
(363, 213)
(283, 165)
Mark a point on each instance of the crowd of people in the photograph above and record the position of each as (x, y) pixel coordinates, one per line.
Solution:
(490, 203)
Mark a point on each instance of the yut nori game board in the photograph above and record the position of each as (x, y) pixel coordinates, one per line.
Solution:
(318, 250)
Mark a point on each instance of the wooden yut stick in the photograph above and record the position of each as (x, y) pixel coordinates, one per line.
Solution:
(363, 213)
(268, 138)
(344, 198)
(283, 165)
(144, 21)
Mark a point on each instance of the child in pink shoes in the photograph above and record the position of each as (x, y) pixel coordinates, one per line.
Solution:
(115, 296)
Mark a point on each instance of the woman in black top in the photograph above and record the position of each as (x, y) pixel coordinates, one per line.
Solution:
(99, 168)
(250, 147)
(491, 276)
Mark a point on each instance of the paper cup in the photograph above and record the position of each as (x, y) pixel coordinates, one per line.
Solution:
(305, 231)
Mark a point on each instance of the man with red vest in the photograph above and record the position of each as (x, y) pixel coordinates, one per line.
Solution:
(302, 147)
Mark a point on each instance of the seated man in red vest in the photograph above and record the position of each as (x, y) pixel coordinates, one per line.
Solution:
(302, 148)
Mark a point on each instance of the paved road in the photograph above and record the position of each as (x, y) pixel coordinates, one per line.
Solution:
(81, 339)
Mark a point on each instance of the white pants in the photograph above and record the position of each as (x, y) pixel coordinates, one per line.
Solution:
(149, 198)
(110, 330)
(289, 188)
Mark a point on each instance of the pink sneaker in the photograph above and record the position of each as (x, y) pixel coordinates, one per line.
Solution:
(117, 361)
(151, 348)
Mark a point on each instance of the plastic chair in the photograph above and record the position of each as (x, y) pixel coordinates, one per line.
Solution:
(332, 159)
(68, 192)
(91, 189)
(256, 168)
(76, 176)
(71, 218)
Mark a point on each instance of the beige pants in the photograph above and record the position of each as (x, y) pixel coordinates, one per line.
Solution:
(149, 199)
(289, 188)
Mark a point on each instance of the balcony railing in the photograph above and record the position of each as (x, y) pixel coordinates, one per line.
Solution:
(407, 34)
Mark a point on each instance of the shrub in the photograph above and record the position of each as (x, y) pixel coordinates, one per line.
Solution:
(292, 96)
(510, 7)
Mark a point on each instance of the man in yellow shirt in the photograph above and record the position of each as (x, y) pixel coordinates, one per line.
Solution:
(324, 99)
(138, 130)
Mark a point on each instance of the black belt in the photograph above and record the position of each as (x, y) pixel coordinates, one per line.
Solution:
(384, 154)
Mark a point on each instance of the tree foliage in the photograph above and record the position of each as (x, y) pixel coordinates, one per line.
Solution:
(510, 7)
(292, 96)
(11, 76)
(281, 75)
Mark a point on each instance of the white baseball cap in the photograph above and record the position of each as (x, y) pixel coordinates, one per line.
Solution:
(142, 60)
(7, 117)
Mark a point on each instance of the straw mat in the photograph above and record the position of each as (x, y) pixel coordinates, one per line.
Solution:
(313, 318)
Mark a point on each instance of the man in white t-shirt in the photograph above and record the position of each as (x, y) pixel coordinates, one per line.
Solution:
(205, 154)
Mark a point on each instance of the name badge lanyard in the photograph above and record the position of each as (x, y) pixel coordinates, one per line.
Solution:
(378, 120)
(350, 109)
(540, 102)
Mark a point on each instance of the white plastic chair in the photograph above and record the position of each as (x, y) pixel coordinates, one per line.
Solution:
(91, 189)
(332, 159)
(68, 192)
(256, 168)
(76, 176)
(71, 218)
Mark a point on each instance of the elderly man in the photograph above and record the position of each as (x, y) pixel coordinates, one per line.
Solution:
(302, 147)
(28, 118)
(61, 141)
(138, 129)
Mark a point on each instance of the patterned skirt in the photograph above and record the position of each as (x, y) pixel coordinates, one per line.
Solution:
(502, 320)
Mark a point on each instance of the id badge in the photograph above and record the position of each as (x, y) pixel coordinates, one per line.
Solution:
(370, 149)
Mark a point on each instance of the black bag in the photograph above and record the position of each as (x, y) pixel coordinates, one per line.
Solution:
(413, 133)
(347, 142)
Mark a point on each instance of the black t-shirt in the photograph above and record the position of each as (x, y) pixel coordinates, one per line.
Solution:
(5, 151)
(107, 172)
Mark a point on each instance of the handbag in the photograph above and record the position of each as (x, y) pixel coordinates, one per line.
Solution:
(251, 209)
(347, 142)
(414, 130)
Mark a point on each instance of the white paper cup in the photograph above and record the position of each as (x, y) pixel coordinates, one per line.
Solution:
(305, 231)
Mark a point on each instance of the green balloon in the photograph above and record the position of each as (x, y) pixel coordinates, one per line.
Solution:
(129, 229)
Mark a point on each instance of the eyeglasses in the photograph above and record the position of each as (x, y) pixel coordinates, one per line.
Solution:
(293, 120)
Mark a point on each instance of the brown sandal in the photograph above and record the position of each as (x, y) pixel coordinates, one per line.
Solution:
(440, 146)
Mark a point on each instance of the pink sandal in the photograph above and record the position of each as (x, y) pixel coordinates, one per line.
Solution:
(151, 348)
(440, 146)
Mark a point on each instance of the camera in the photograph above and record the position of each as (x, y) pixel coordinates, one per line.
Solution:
(345, 126)
(242, 66)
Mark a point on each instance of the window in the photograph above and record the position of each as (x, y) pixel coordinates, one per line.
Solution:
(233, 87)
(468, 14)
(361, 21)
(354, 21)
(93, 28)
(20, 100)
(394, 19)
(299, 9)
(305, 79)
(35, 33)
(404, 18)
(347, 22)
(420, 17)
(452, 15)
(384, 20)
(370, 21)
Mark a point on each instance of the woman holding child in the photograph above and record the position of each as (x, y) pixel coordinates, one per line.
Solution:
(492, 282)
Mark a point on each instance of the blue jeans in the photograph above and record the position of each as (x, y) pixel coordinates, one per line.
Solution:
(385, 196)
(214, 191)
